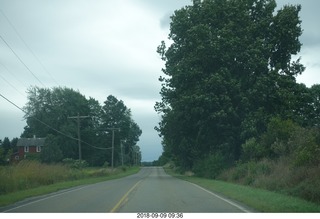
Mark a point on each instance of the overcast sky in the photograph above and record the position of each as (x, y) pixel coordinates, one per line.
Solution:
(103, 47)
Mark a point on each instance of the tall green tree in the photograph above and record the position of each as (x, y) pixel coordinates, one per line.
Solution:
(6, 144)
(47, 112)
(227, 72)
(116, 115)
(5, 150)
(315, 104)
(51, 152)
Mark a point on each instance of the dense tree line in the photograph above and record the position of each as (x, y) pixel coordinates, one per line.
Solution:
(48, 113)
(229, 75)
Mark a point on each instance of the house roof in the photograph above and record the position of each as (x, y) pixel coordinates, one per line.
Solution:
(30, 142)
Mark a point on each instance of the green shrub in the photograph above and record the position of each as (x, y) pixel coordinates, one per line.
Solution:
(239, 172)
(248, 172)
(106, 164)
(305, 183)
(51, 152)
(98, 172)
(275, 139)
(77, 164)
(279, 176)
(305, 147)
(33, 156)
(306, 190)
(209, 167)
(252, 150)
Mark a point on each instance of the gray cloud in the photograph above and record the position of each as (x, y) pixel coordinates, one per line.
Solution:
(309, 15)
(165, 20)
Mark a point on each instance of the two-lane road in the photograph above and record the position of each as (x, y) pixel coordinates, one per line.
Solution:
(150, 190)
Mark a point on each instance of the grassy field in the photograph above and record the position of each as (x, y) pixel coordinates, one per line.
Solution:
(32, 179)
(258, 199)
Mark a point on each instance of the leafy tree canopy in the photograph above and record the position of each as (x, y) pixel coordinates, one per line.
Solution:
(228, 70)
(48, 113)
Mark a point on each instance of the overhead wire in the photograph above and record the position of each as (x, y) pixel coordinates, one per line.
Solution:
(11, 85)
(24, 64)
(52, 128)
(28, 47)
(12, 74)
(5, 69)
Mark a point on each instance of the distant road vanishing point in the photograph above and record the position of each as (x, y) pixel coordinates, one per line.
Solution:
(150, 190)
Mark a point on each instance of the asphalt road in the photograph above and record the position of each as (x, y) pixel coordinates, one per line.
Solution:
(150, 190)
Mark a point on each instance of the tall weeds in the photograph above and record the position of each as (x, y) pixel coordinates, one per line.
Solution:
(285, 159)
(277, 175)
(29, 174)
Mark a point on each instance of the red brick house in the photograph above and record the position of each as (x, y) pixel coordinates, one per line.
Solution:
(29, 146)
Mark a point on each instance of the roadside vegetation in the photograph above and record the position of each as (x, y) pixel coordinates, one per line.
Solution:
(231, 106)
(259, 200)
(284, 159)
(30, 178)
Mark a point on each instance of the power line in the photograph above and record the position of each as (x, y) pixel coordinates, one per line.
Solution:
(37, 118)
(7, 44)
(54, 129)
(12, 74)
(26, 45)
(12, 86)
(21, 61)
(12, 103)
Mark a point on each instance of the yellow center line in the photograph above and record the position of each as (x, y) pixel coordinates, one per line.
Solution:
(115, 208)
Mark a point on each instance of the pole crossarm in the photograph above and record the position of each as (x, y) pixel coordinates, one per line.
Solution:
(76, 117)
(115, 129)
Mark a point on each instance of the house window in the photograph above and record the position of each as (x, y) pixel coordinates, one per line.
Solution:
(26, 148)
(38, 149)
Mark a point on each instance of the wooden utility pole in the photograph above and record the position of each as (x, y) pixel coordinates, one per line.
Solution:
(121, 145)
(78, 117)
(113, 129)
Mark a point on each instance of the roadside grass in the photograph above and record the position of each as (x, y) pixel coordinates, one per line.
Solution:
(87, 176)
(258, 199)
(278, 176)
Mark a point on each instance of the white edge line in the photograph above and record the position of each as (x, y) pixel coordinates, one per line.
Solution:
(42, 199)
(226, 200)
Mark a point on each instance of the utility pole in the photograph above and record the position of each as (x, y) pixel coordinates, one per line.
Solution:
(121, 145)
(78, 117)
(113, 129)
(135, 154)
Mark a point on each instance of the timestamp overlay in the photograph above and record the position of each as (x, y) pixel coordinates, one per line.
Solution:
(159, 215)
